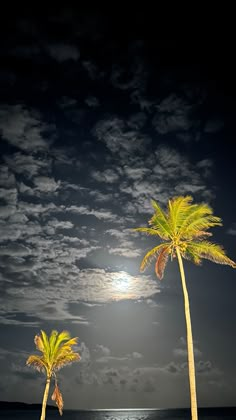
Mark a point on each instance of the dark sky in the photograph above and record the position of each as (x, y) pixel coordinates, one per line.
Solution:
(100, 113)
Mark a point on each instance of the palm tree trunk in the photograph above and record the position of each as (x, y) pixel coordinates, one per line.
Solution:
(191, 364)
(45, 398)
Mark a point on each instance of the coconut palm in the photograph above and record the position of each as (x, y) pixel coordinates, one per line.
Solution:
(183, 229)
(56, 352)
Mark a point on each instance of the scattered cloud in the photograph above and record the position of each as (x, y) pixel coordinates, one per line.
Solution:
(101, 214)
(24, 129)
(45, 184)
(181, 351)
(104, 356)
(173, 114)
(119, 138)
(27, 165)
(108, 176)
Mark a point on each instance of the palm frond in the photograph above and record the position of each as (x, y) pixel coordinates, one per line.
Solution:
(199, 217)
(153, 253)
(37, 362)
(65, 359)
(65, 348)
(177, 208)
(72, 342)
(200, 225)
(211, 252)
(57, 397)
(153, 231)
(161, 262)
(190, 255)
(199, 235)
(63, 336)
(46, 350)
(39, 343)
(52, 340)
(159, 220)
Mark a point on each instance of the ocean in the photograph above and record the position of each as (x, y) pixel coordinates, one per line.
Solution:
(205, 414)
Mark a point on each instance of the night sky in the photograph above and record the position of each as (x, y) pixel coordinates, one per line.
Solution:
(99, 114)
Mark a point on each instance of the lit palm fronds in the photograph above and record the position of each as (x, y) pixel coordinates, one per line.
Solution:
(184, 226)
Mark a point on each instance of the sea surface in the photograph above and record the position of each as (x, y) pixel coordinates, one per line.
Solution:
(205, 414)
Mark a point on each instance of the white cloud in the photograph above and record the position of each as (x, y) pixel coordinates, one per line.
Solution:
(102, 350)
(23, 128)
(6, 211)
(119, 138)
(180, 352)
(101, 214)
(36, 209)
(172, 115)
(46, 184)
(84, 354)
(108, 176)
(7, 179)
(15, 249)
(27, 165)
(104, 356)
(11, 232)
(137, 355)
(125, 252)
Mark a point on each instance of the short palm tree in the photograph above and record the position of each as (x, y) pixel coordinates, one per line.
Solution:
(183, 229)
(56, 353)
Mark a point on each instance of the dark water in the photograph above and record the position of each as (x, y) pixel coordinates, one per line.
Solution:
(205, 414)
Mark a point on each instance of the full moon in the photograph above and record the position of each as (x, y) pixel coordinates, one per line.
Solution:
(122, 283)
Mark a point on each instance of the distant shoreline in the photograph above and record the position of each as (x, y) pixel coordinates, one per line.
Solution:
(15, 405)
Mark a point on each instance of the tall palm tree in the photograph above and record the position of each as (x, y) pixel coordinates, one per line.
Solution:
(183, 229)
(56, 352)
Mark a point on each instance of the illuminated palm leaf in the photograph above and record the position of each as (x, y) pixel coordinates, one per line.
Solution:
(153, 232)
(37, 362)
(190, 255)
(52, 340)
(198, 218)
(160, 221)
(176, 213)
(210, 251)
(161, 262)
(66, 359)
(57, 397)
(153, 253)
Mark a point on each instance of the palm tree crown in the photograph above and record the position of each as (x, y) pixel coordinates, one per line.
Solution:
(183, 226)
(56, 352)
